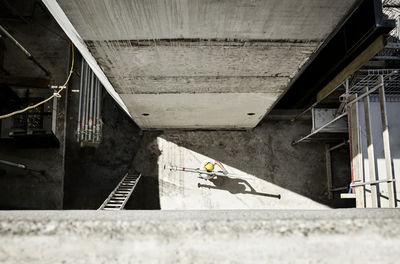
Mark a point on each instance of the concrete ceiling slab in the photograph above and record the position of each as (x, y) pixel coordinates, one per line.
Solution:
(183, 60)
(204, 66)
(213, 111)
(205, 19)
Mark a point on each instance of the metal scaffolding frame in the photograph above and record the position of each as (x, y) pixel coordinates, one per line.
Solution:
(381, 82)
(372, 79)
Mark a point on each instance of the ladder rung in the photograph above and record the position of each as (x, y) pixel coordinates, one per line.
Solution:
(121, 193)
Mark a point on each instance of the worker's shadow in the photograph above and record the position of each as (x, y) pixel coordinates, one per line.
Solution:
(235, 186)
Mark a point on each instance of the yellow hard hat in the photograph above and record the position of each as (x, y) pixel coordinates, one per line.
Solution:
(208, 166)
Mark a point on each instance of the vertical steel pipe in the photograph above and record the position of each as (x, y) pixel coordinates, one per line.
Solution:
(78, 130)
(98, 121)
(84, 102)
(386, 145)
(90, 125)
(87, 103)
(94, 111)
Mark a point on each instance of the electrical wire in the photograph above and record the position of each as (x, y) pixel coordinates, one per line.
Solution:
(55, 94)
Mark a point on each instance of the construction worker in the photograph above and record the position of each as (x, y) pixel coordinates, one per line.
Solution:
(209, 166)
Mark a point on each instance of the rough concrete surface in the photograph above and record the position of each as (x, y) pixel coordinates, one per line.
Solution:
(263, 156)
(204, 19)
(335, 236)
(142, 61)
(188, 44)
(166, 111)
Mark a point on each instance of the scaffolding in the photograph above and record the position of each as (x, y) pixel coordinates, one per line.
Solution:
(378, 83)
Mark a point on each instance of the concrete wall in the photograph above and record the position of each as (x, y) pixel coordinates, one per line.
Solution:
(273, 236)
(41, 36)
(263, 156)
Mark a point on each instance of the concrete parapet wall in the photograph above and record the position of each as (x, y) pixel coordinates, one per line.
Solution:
(276, 236)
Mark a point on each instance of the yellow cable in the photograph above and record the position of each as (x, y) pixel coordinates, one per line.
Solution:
(56, 94)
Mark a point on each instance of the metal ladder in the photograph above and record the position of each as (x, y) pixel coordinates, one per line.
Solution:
(120, 195)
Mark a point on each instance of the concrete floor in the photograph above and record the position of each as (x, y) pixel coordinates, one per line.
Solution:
(273, 236)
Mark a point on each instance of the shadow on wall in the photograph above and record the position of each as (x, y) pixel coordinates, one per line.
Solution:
(235, 186)
(146, 194)
(93, 172)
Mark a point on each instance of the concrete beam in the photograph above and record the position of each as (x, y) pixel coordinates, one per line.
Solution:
(196, 111)
(356, 64)
(155, 67)
(199, 84)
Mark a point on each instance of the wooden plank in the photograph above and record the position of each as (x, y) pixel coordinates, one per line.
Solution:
(356, 154)
(21, 81)
(386, 146)
(356, 64)
(371, 155)
(348, 195)
(328, 170)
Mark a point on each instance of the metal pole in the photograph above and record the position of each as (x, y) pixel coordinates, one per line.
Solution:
(328, 165)
(78, 130)
(338, 146)
(339, 116)
(314, 104)
(370, 150)
(87, 102)
(365, 94)
(371, 183)
(30, 57)
(386, 145)
(12, 164)
(84, 106)
(212, 173)
(319, 129)
(89, 105)
(90, 125)
(95, 110)
(98, 120)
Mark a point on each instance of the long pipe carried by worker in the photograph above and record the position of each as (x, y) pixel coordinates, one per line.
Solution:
(212, 173)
